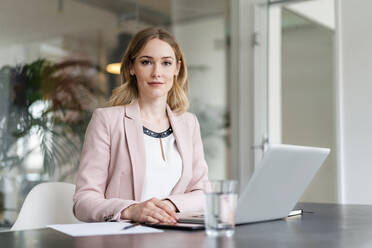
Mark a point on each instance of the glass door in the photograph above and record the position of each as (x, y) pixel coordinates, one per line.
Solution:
(300, 103)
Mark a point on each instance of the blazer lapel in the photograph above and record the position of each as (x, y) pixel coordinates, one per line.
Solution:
(136, 146)
(183, 144)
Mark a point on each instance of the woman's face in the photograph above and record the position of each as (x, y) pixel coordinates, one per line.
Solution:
(155, 68)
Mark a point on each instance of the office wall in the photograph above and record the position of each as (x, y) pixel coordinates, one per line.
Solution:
(355, 92)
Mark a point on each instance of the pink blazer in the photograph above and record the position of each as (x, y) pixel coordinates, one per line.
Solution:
(112, 166)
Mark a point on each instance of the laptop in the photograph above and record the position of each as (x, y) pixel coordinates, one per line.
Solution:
(275, 187)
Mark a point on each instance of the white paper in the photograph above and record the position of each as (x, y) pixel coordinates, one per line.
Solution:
(102, 228)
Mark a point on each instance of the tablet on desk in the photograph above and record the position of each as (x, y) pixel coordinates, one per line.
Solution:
(178, 226)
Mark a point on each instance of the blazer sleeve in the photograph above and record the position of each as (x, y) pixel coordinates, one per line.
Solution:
(193, 198)
(89, 199)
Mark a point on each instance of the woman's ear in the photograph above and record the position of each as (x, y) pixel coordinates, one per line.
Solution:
(179, 63)
(131, 69)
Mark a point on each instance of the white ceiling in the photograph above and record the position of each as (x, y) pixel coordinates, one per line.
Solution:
(25, 21)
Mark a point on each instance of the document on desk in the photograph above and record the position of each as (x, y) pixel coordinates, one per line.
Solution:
(102, 228)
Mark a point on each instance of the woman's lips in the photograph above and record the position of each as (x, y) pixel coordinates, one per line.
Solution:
(155, 83)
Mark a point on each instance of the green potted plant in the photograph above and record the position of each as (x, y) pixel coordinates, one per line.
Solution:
(49, 102)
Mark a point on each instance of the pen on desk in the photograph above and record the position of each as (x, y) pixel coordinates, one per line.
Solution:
(130, 226)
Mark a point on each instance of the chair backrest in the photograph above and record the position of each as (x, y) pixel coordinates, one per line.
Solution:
(46, 204)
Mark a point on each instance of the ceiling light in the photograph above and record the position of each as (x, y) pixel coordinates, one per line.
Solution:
(113, 68)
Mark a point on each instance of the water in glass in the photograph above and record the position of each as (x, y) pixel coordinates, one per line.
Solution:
(220, 214)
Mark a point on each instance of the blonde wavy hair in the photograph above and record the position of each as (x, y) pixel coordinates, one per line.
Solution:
(127, 92)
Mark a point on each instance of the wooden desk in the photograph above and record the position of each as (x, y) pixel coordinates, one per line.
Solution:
(329, 226)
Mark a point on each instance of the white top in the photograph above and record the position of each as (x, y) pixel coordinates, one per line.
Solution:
(161, 175)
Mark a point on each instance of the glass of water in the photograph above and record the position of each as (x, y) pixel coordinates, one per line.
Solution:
(221, 197)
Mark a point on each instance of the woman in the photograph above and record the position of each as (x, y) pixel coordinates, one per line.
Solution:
(143, 158)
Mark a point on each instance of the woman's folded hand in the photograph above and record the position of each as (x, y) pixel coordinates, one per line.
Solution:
(151, 211)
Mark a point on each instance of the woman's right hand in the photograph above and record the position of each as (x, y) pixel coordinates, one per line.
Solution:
(150, 211)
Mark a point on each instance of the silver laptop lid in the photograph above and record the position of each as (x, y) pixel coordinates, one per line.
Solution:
(278, 182)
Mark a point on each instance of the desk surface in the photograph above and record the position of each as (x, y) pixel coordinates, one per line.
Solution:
(329, 225)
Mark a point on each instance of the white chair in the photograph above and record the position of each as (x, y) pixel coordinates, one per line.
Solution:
(46, 204)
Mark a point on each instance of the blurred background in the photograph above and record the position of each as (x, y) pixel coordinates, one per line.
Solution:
(54, 58)
(260, 72)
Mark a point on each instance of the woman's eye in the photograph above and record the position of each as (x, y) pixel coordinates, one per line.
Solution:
(145, 62)
(167, 63)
